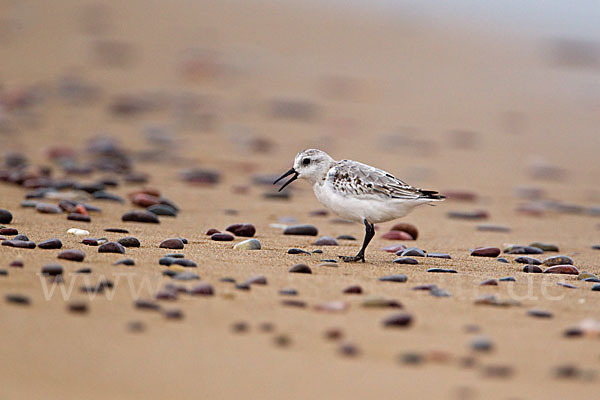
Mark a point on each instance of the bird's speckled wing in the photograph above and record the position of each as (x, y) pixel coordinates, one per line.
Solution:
(352, 178)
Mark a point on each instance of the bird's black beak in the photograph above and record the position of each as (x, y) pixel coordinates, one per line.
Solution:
(292, 179)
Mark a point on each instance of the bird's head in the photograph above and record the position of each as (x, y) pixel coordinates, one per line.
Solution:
(311, 164)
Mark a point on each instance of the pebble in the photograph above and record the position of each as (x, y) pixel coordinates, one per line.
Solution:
(489, 282)
(354, 289)
(596, 288)
(111, 247)
(3, 272)
(333, 334)
(240, 327)
(162, 210)
(346, 237)
(184, 262)
(502, 260)
(85, 270)
(294, 303)
(78, 307)
(562, 269)
(585, 275)
(394, 248)
(21, 237)
(242, 286)
(136, 326)
(300, 269)
(174, 243)
(545, 246)
(202, 289)
(9, 231)
(394, 278)
(527, 260)
(468, 215)
(72, 255)
(573, 332)
(288, 292)
(46, 208)
(534, 312)
(411, 358)
(532, 269)
(396, 235)
(126, 261)
(282, 340)
(486, 252)
(405, 260)
(493, 228)
(297, 251)
(507, 279)
(140, 216)
(493, 300)
(442, 270)
(348, 349)
(16, 264)
(173, 314)
(245, 230)
(116, 230)
(326, 241)
(222, 237)
(102, 195)
(212, 231)
(78, 232)
(332, 306)
(594, 280)
(5, 216)
(186, 276)
(250, 244)
(17, 299)
(558, 260)
(19, 244)
(144, 199)
(398, 320)
(130, 241)
(79, 217)
(302, 230)
(482, 344)
(523, 250)
(52, 270)
(257, 280)
(412, 252)
(146, 305)
(318, 251)
(380, 302)
(567, 285)
(596, 247)
(166, 261)
(439, 255)
(175, 255)
(439, 292)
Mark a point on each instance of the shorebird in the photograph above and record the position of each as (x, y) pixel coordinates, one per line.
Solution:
(357, 192)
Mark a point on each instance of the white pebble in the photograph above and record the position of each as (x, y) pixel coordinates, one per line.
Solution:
(78, 232)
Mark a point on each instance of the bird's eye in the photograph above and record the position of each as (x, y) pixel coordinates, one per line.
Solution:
(306, 161)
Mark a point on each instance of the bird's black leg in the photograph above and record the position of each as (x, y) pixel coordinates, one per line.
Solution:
(369, 233)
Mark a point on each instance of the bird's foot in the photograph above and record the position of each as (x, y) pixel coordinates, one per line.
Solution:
(356, 258)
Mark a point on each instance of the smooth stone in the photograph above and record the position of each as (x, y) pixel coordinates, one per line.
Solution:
(302, 230)
(242, 286)
(136, 326)
(329, 260)
(426, 287)
(482, 344)
(502, 260)
(116, 230)
(16, 264)
(5, 216)
(250, 244)
(394, 248)
(596, 247)
(79, 217)
(19, 244)
(326, 241)
(90, 242)
(245, 230)
(72, 255)
(507, 279)
(439, 255)
(380, 302)
(594, 280)
(21, 237)
(489, 282)
(130, 241)
(173, 314)
(442, 270)
(293, 303)
(52, 270)
(354, 289)
(439, 292)
(558, 260)
(596, 288)
(300, 269)
(468, 215)
(175, 255)
(412, 252)
(78, 307)
(126, 261)
(318, 251)
(585, 275)
(493, 300)
(3, 272)
(394, 278)
(411, 358)
(486, 252)
(405, 260)
(202, 289)
(17, 299)
(140, 216)
(102, 195)
(396, 235)
(493, 228)
(46, 208)
(240, 327)
(527, 260)
(29, 204)
(212, 231)
(78, 232)
(85, 270)
(111, 247)
(532, 269)
(348, 349)
(346, 237)
(545, 246)
(9, 232)
(332, 306)
(288, 292)
(184, 262)
(398, 320)
(257, 280)
(297, 251)
(567, 285)
(222, 237)
(523, 250)
(227, 279)
(562, 269)
(146, 305)
(162, 210)
(166, 261)
(406, 227)
(176, 244)
(186, 276)
(539, 313)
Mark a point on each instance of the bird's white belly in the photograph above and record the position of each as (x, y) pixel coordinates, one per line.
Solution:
(358, 209)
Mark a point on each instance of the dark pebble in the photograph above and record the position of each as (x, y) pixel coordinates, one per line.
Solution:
(3, 272)
(527, 260)
(79, 217)
(493, 228)
(424, 287)
(405, 260)
(78, 307)
(19, 244)
(242, 286)
(439, 255)
(202, 289)
(85, 270)
(573, 332)
(297, 251)
(489, 282)
(334, 334)
(9, 232)
(116, 230)
(300, 269)
(355, 289)
(227, 279)
(442, 270)
(318, 251)
(468, 215)
(29, 204)
(212, 231)
(562, 269)
(166, 261)
(502, 260)
(89, 242)
(174, 243)
(140, 216)
(408, 228)
(507, 279)
(126, 261)
(240, 327)
(412, 252)
(523, 250)
(52, 270)
(16, 264)
(348, 349)
(184, 262)
(72, 255)
(5, 216)
(439, 292)
(46, 208)
(186, 276)
(288, 292)
(244, 230)
(303, 230)
(173, 314)
(326, 241)
(567, 285)
(111, 247)
(293, 303)
(486, 252)
(266, 327)
(21, 237)
(102, 195)
(596, 288)
(532, 269)
(17, 299)
(136, 326)
(129, 241)
(346, 237)
(539, 313)
(398, 320)
(482, 344)
(394, 278)
(222, 237)
(146, 305)
(175, 255)
(558, 260)
(594, 280)
(596, 247)
(545, 246)
(411, 358)
(257, 280)
(162, 210)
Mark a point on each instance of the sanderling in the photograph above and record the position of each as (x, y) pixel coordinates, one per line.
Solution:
(357, 192)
